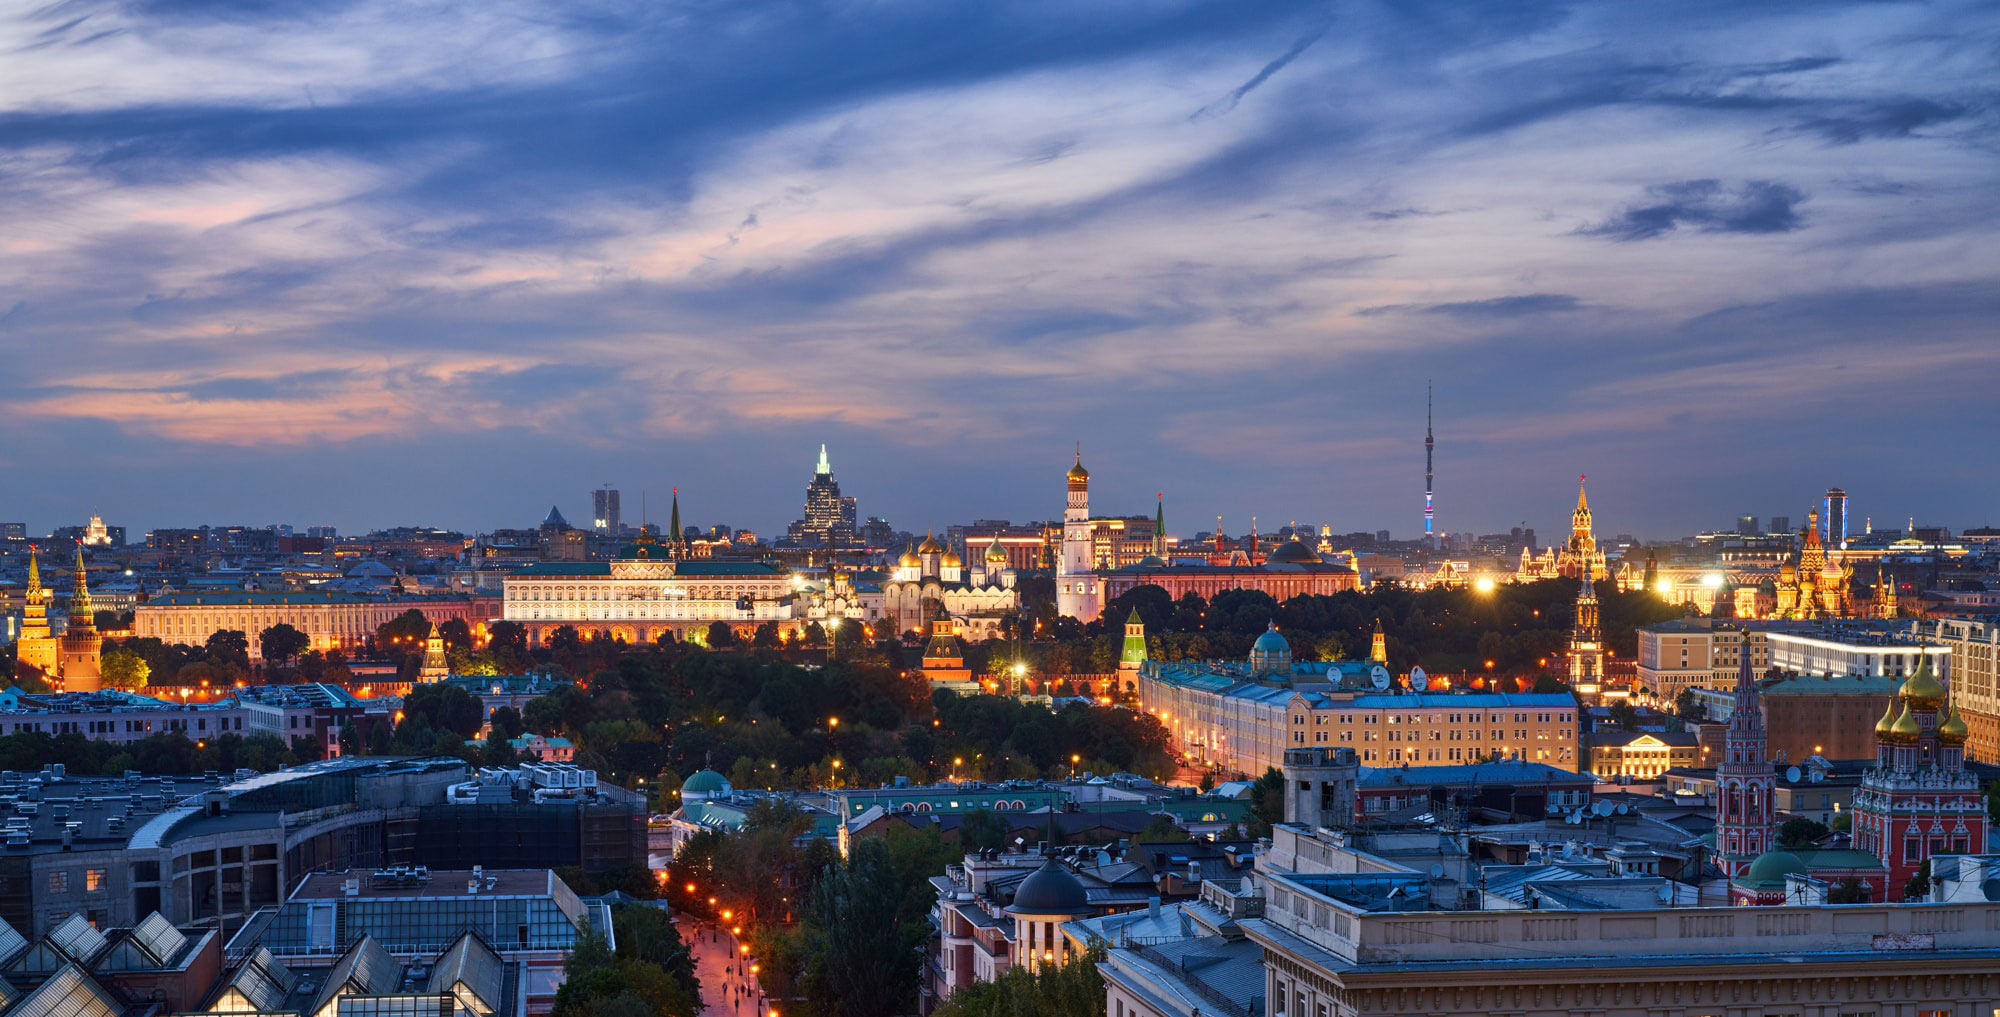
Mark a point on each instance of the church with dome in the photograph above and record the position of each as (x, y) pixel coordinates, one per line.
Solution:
(929, 577)
(1915, 803)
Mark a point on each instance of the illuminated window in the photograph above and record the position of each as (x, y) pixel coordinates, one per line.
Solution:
(93, 880)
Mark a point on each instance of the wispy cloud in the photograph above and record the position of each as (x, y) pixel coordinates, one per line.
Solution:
(1755, 206)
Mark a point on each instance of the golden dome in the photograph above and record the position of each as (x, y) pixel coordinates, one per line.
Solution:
(1952, 729)
(1077, 473)
(929, 546)
(994, 552)
(1888, 720)
(1905, 730)
(909, 560)
(1923, 691)
(950, 561)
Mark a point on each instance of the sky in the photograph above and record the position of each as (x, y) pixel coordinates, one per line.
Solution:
(446, 262)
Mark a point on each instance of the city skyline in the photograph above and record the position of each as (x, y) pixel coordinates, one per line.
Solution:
(324, 268)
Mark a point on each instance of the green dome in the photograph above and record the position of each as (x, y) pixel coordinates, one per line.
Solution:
(705, 782)
(1152, 561)
(1271, 642)
(1771, 868)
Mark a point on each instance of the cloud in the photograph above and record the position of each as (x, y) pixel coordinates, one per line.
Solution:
(626, 238)
(1490, 309)
(1755, 206)
(1892, 119)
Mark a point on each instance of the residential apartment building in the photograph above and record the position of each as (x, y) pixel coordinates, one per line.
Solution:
(1695, 653)
(1974, 678)
(111, 716)
(1242, 716)
(1872, 649)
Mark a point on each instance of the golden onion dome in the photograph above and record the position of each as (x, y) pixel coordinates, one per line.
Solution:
(1905, 730)
(950, 561)
(994, 552)
(909, 560)
(1888, 720)
(929, 546)
(1077, 473)
(1952, 729)
(1923, 691)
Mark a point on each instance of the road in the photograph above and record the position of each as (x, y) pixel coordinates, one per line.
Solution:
(727, 990)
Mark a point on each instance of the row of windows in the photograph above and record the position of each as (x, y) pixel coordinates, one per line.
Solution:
(1348, 717)
(93, 881)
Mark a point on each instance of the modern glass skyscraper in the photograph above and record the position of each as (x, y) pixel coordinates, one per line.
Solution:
(604, 510)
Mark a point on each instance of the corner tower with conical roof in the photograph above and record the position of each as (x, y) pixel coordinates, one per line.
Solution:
(81, 644)
(1133, 655)
(36, 650)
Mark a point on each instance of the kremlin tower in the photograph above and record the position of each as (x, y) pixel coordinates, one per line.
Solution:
(81, 644)
(1586, 643)
(1581, 557)
(36, 650)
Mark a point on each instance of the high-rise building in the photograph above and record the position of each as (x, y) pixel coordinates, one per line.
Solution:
(604, 511)
(1747, 526)
(1781, 524)
(13, 531)
(1835, 536)
(829, 518)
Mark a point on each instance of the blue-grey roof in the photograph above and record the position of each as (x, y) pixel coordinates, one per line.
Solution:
(1504, 772)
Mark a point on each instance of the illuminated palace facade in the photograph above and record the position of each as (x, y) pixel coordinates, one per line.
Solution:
(648, 590)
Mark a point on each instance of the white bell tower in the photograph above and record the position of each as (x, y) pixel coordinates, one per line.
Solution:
(1079, 591)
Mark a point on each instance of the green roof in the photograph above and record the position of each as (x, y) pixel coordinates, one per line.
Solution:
(310, 598)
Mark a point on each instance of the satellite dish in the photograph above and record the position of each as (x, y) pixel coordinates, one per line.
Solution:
(1419, 680)
(1792, 775)
(1666, 894)
(1378, 676)
(1601, 808)
(1437, 871)
(1623, 808)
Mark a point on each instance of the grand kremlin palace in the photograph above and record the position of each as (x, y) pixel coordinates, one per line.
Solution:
(331, 620)
(639, 598)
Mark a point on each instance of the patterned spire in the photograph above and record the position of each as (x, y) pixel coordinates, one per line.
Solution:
(79, 597)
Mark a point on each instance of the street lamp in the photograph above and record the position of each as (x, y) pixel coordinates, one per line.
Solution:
(1073, 760)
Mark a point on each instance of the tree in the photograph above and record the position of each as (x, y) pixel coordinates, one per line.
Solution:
(457, 635)
(720, 635)
(1919, 885)
(403, 634)
(860, 962)
(122, 669)
(281, 642)
(229, 648)
(1163, 828)
(1801, 832)
(444, 707)
(506, 723)
(1267, 802)
(1688, 708)
(766, 636)
(1074, 989)
(1625, 714)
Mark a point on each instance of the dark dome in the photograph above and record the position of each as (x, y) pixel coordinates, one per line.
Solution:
(1050, 890)
(1294, 551)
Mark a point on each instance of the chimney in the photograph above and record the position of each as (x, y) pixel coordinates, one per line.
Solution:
(1153, 909)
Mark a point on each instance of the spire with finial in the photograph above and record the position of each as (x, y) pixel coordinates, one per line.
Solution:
(1160, 528)
(823, 468)
(35, 594)
(675, 537)
(80, 609)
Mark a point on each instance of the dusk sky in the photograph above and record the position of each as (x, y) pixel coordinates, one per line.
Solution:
(373, 263)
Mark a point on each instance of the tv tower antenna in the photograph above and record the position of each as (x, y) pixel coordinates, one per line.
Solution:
(1430, 442)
